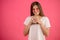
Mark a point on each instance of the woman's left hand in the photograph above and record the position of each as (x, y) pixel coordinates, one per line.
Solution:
(38, 20)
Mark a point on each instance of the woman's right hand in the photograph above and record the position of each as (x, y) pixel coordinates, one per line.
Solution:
(33, 19)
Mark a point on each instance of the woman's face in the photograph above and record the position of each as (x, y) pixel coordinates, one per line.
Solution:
(36, 10)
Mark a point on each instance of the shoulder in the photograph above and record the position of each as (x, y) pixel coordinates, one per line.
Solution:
(47, 20)
(45, 17)
(28, 17)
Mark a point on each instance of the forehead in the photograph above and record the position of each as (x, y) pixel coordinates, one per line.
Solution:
(35, 6)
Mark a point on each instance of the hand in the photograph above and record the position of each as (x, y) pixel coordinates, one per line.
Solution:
(34, 20)
(38, 20)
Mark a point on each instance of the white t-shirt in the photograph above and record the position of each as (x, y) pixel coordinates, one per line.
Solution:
(35, 32)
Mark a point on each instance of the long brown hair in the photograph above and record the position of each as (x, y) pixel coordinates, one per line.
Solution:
(39, 6)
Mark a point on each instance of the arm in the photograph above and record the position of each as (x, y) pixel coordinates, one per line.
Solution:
(44, 30)
(27, 28)
(45, 27)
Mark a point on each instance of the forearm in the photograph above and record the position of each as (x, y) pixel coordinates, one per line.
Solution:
(44, 30)
(26, 29)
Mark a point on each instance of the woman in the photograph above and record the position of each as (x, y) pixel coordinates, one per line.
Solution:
(37, 25)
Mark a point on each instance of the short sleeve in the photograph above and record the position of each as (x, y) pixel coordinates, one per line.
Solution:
(47, 22)
(27, 20)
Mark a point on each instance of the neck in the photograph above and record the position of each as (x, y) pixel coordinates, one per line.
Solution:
(36, 15)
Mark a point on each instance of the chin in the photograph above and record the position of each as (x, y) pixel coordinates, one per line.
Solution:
(36, 14)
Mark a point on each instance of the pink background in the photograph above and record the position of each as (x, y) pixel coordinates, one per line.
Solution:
(14, 12)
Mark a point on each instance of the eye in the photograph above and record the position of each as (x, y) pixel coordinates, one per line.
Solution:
(37, 8)
(33, 9)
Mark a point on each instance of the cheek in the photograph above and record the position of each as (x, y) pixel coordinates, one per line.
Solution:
(33, 11)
